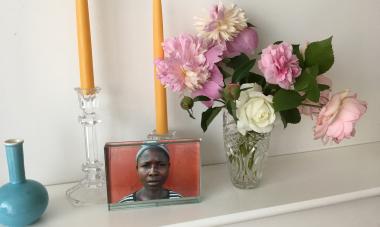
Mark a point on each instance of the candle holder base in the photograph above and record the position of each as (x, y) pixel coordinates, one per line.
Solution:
(91, 189)
(154, 136)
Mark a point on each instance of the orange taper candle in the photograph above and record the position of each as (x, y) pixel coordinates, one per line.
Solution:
(84, 46)
(158, 53)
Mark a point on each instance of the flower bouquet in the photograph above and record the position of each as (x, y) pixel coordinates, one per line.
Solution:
(216, 67)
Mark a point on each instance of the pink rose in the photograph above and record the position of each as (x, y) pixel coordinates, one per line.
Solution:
(337, 119)
(246, 42)
(323, 99)
(279, 65)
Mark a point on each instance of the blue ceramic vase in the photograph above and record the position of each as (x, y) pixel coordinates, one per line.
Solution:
(22, 201)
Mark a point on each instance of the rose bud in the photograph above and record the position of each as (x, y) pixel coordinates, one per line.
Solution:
(187, 103)
(232, 91)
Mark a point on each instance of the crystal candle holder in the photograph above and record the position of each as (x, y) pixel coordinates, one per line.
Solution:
(92, 188)
(154, 136)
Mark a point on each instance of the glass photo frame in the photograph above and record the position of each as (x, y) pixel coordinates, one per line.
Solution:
(152, 173)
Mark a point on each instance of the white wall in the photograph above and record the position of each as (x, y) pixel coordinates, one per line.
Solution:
(39, 69)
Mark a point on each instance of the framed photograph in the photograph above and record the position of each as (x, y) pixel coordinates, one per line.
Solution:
(152, 173)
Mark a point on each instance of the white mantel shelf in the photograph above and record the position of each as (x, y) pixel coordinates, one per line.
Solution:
(291, 183)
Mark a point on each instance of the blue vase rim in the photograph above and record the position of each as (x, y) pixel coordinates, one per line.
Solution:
(13, 142)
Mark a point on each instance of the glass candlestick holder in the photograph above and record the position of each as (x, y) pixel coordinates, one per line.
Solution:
(167, 136)
(92, 188)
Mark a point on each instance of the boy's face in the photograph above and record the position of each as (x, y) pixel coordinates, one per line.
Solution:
(153, 168)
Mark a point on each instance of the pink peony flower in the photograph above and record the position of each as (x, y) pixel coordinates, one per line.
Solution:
(279, 65)
(187, 63)
(222, 23)
(323, 99)
(246, 42)
(337, 119)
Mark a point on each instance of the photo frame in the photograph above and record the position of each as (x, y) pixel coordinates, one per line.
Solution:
(152, 173)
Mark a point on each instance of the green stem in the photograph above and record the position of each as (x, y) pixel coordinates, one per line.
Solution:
(311, 105)
(218, 100)
(242, 165)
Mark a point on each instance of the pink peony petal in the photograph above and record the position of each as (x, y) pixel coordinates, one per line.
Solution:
(246, 42)
(214, 55)
(216, 76)
(211, 88)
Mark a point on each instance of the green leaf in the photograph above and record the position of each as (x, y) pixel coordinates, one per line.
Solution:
(307, 76)
(321, 54)
(208, 116)
(297, 52)
(231, 107)
(250, 25)
(292, 116)
(286, 100)
(312, 71)
(270, 89)
(323, 87)
(201, 98)
(255, 78)
(313, 92)
(302, 82)
(224, 73)
(243, 71)
(238, 61)
(307, 82)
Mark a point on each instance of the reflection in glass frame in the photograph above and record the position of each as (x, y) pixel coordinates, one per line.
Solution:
(152, 173)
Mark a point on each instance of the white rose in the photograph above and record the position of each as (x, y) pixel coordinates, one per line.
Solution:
(254, 110)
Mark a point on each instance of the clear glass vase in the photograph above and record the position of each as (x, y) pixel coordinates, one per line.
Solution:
(245, 154)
